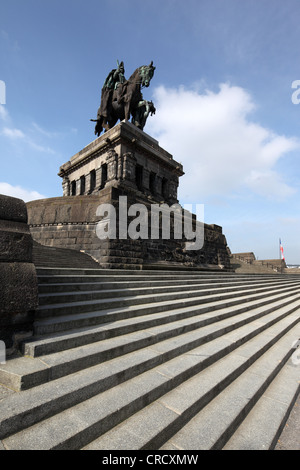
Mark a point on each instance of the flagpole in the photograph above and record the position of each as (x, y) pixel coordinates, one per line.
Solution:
(279, 249)
(280, 255)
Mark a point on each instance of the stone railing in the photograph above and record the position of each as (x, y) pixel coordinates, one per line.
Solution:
(18, 279)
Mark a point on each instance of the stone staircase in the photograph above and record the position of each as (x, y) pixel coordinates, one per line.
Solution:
(162, 360)
(256, 267)
(51, 256)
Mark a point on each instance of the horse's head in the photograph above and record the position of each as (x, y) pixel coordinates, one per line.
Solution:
(146, 73)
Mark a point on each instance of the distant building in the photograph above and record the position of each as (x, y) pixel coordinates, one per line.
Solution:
(247, 257)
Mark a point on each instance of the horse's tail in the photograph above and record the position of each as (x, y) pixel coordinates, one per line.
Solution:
(98, 126)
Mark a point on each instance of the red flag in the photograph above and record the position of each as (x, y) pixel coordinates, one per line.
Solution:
(281, 249)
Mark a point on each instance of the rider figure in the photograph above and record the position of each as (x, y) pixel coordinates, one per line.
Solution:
(112, 82)
(114, 79)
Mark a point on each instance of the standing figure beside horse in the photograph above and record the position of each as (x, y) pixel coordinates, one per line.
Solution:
(121, 98)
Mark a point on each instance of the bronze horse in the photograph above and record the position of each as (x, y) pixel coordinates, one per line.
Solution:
(125, 101)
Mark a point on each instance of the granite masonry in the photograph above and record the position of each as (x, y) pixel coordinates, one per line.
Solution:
(18, 279)
(123, 163)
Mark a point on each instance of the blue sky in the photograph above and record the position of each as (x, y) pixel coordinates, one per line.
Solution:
(222, 89)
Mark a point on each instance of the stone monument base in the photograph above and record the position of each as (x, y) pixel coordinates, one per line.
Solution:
(125, 171)
(71, 222)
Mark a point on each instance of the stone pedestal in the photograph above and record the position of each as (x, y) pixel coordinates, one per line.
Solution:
(124, 156)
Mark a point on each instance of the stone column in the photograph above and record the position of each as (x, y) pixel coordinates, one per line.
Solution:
(98, 178)
(87, 183)
(77, 187)
(66, 186)
(120, 164)
(129, 165)
(173, 186)
(112, 165)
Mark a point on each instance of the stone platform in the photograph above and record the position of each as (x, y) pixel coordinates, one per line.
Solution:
(124, 164)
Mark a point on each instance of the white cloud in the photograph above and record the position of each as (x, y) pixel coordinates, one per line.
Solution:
(3, 113)
(43, 132)
(19, 192)
(40, 148)
(220, 148)
(13, 133)
(269, 183)
(16, 134)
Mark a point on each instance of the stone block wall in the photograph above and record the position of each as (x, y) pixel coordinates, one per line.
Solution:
(18, 279)
(68, 222)
(71, 222)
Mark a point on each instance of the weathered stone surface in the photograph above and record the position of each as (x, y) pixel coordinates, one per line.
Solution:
(125, 155)
(12, 209)
(18, 290)
(65, 210)
(15, 242)
(76, 223)
(18, 279)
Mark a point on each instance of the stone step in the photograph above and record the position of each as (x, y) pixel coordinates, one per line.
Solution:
(73, 256)
(66, 264)
(262, 427)
(81, 277)
(48, 280)
(57, 390)
(114, 343)
(125, 273)
(53, 256)
(61, 323)
(45, 288)
(48, 344)
(249, 412)
(173, 339)
(201, 412)
(194, 297)
(194, 289)
(149, 392)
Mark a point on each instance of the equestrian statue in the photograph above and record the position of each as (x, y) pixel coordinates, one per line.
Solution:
(121, 98)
